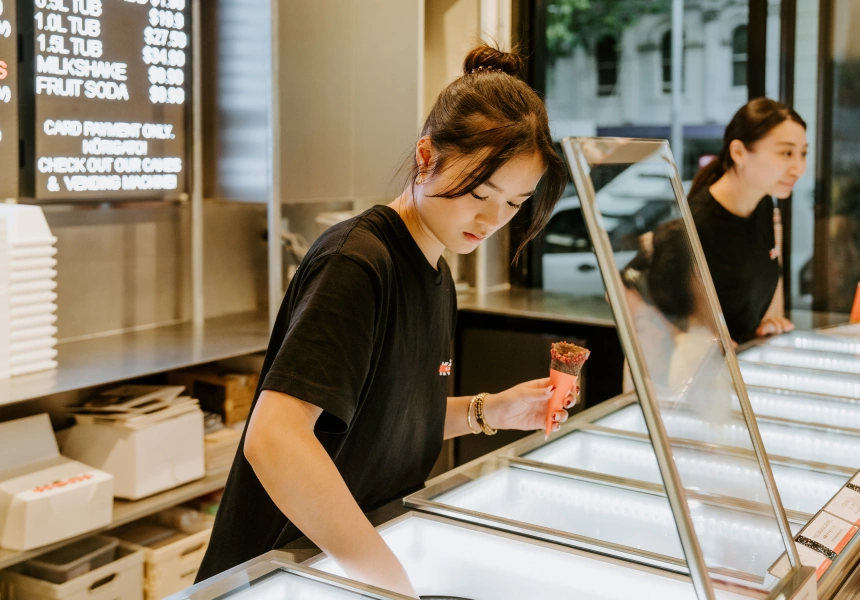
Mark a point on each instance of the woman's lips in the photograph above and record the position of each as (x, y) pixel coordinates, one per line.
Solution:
(472, 237)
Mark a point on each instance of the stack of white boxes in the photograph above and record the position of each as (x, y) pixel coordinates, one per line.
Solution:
(28, 332)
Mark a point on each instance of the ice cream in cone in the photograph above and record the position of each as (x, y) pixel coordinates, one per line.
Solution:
(565, 365)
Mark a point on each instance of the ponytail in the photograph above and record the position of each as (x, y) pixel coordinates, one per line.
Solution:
(708, 175)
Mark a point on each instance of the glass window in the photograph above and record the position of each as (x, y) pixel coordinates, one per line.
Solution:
(666, 60)
(607, 65)
(739, 56)
(625, 49)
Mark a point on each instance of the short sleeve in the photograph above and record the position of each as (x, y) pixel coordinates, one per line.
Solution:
(326, 354)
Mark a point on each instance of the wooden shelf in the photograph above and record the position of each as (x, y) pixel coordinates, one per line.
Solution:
(126, 512)
(114, 358)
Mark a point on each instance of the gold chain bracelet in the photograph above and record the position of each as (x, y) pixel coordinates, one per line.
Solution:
(479, 415)
(469, 415)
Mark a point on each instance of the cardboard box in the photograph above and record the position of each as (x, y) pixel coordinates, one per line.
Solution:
(143, 461)
(120, 579)
(227, 394)
(45, 497)
(172, 564)
(221, 447)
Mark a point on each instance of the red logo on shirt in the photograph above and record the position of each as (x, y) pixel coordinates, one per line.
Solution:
(445, 368)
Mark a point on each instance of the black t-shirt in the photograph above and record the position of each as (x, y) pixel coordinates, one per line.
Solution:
(364, 333)
(742, 258)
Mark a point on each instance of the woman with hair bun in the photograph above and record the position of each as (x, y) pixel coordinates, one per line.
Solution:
(352, 405)
(763, 156)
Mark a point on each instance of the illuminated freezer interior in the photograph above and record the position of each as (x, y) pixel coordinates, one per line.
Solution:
(815, 340)
(801, 489)
(801, 380)
(444, 558)
(788, 440)
(804, 359)
(805, 408)
(624, 517)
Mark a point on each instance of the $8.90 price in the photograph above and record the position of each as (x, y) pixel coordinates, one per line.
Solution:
(158, 94)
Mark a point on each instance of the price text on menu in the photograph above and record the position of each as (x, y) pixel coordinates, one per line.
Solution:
(8, 101)
(111, 86)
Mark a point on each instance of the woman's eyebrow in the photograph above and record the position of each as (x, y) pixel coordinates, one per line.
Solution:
(493, 186)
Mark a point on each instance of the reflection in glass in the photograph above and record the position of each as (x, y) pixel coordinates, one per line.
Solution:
(672, 333)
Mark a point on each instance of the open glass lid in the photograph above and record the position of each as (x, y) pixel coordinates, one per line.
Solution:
(676, 343)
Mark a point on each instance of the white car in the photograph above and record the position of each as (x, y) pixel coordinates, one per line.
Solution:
(632, 203)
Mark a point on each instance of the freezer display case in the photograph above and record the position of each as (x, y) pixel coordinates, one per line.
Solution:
(802, 380)
(617, 453)
(448, 559)
(816, 340)
(804, 359)
(789, 440)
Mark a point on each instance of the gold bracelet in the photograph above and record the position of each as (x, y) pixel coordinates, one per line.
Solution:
(469, 415)
(479, 415)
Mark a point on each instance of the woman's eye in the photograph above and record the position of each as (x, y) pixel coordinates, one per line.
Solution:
(515, 206)
(477, 197)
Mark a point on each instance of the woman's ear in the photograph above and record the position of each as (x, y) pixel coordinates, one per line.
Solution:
(424, 155)
(738, 152)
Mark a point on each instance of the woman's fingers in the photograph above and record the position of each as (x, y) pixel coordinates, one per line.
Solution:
(560, 416)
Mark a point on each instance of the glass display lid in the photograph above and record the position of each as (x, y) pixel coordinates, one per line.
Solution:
(676, 343)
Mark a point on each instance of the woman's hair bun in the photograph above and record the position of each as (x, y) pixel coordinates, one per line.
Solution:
(486, 57)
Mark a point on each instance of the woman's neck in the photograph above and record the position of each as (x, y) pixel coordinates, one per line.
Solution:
(735, 196)
(430, 247)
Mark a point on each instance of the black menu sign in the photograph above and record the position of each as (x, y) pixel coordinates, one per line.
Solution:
(111, 84)
(8, 101)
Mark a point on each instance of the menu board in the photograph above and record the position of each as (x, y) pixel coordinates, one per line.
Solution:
(111, 84)
(8, 101)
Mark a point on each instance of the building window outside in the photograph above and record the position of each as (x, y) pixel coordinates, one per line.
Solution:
(606, 55)
(739, 56)
(666, 62)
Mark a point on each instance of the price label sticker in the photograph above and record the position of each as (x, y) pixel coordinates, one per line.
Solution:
(845, 505)
(808, 558)
(827, 534)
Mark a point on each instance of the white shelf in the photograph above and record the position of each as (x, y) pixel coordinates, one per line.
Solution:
(119, 357)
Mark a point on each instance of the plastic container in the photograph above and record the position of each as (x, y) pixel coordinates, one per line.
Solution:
(145, 533)
(73, 560)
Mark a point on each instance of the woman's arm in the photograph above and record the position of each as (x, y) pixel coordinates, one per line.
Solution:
(304, 483)
(520, 407)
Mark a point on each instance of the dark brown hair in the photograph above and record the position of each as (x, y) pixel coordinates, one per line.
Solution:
(750, 124)
(491, 115)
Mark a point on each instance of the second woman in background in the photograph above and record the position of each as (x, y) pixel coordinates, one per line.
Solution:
(763, 156)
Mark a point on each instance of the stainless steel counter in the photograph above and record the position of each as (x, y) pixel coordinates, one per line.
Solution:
(538, 304)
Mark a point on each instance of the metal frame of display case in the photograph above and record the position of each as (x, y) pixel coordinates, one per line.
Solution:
(242, 576)
(580, 170)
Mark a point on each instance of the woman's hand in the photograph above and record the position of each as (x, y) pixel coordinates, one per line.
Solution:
(524, 406)
(774, 326)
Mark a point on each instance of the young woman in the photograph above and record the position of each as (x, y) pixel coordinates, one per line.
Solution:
(763, 155)
(352, 409)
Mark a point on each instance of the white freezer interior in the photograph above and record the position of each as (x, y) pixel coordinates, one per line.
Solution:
(827, 447)
(801, 490)
(813, 340)
(279, 585)
(801, 380)
(446, 559)
(730, 539)
(803, 359)
(805, 408)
